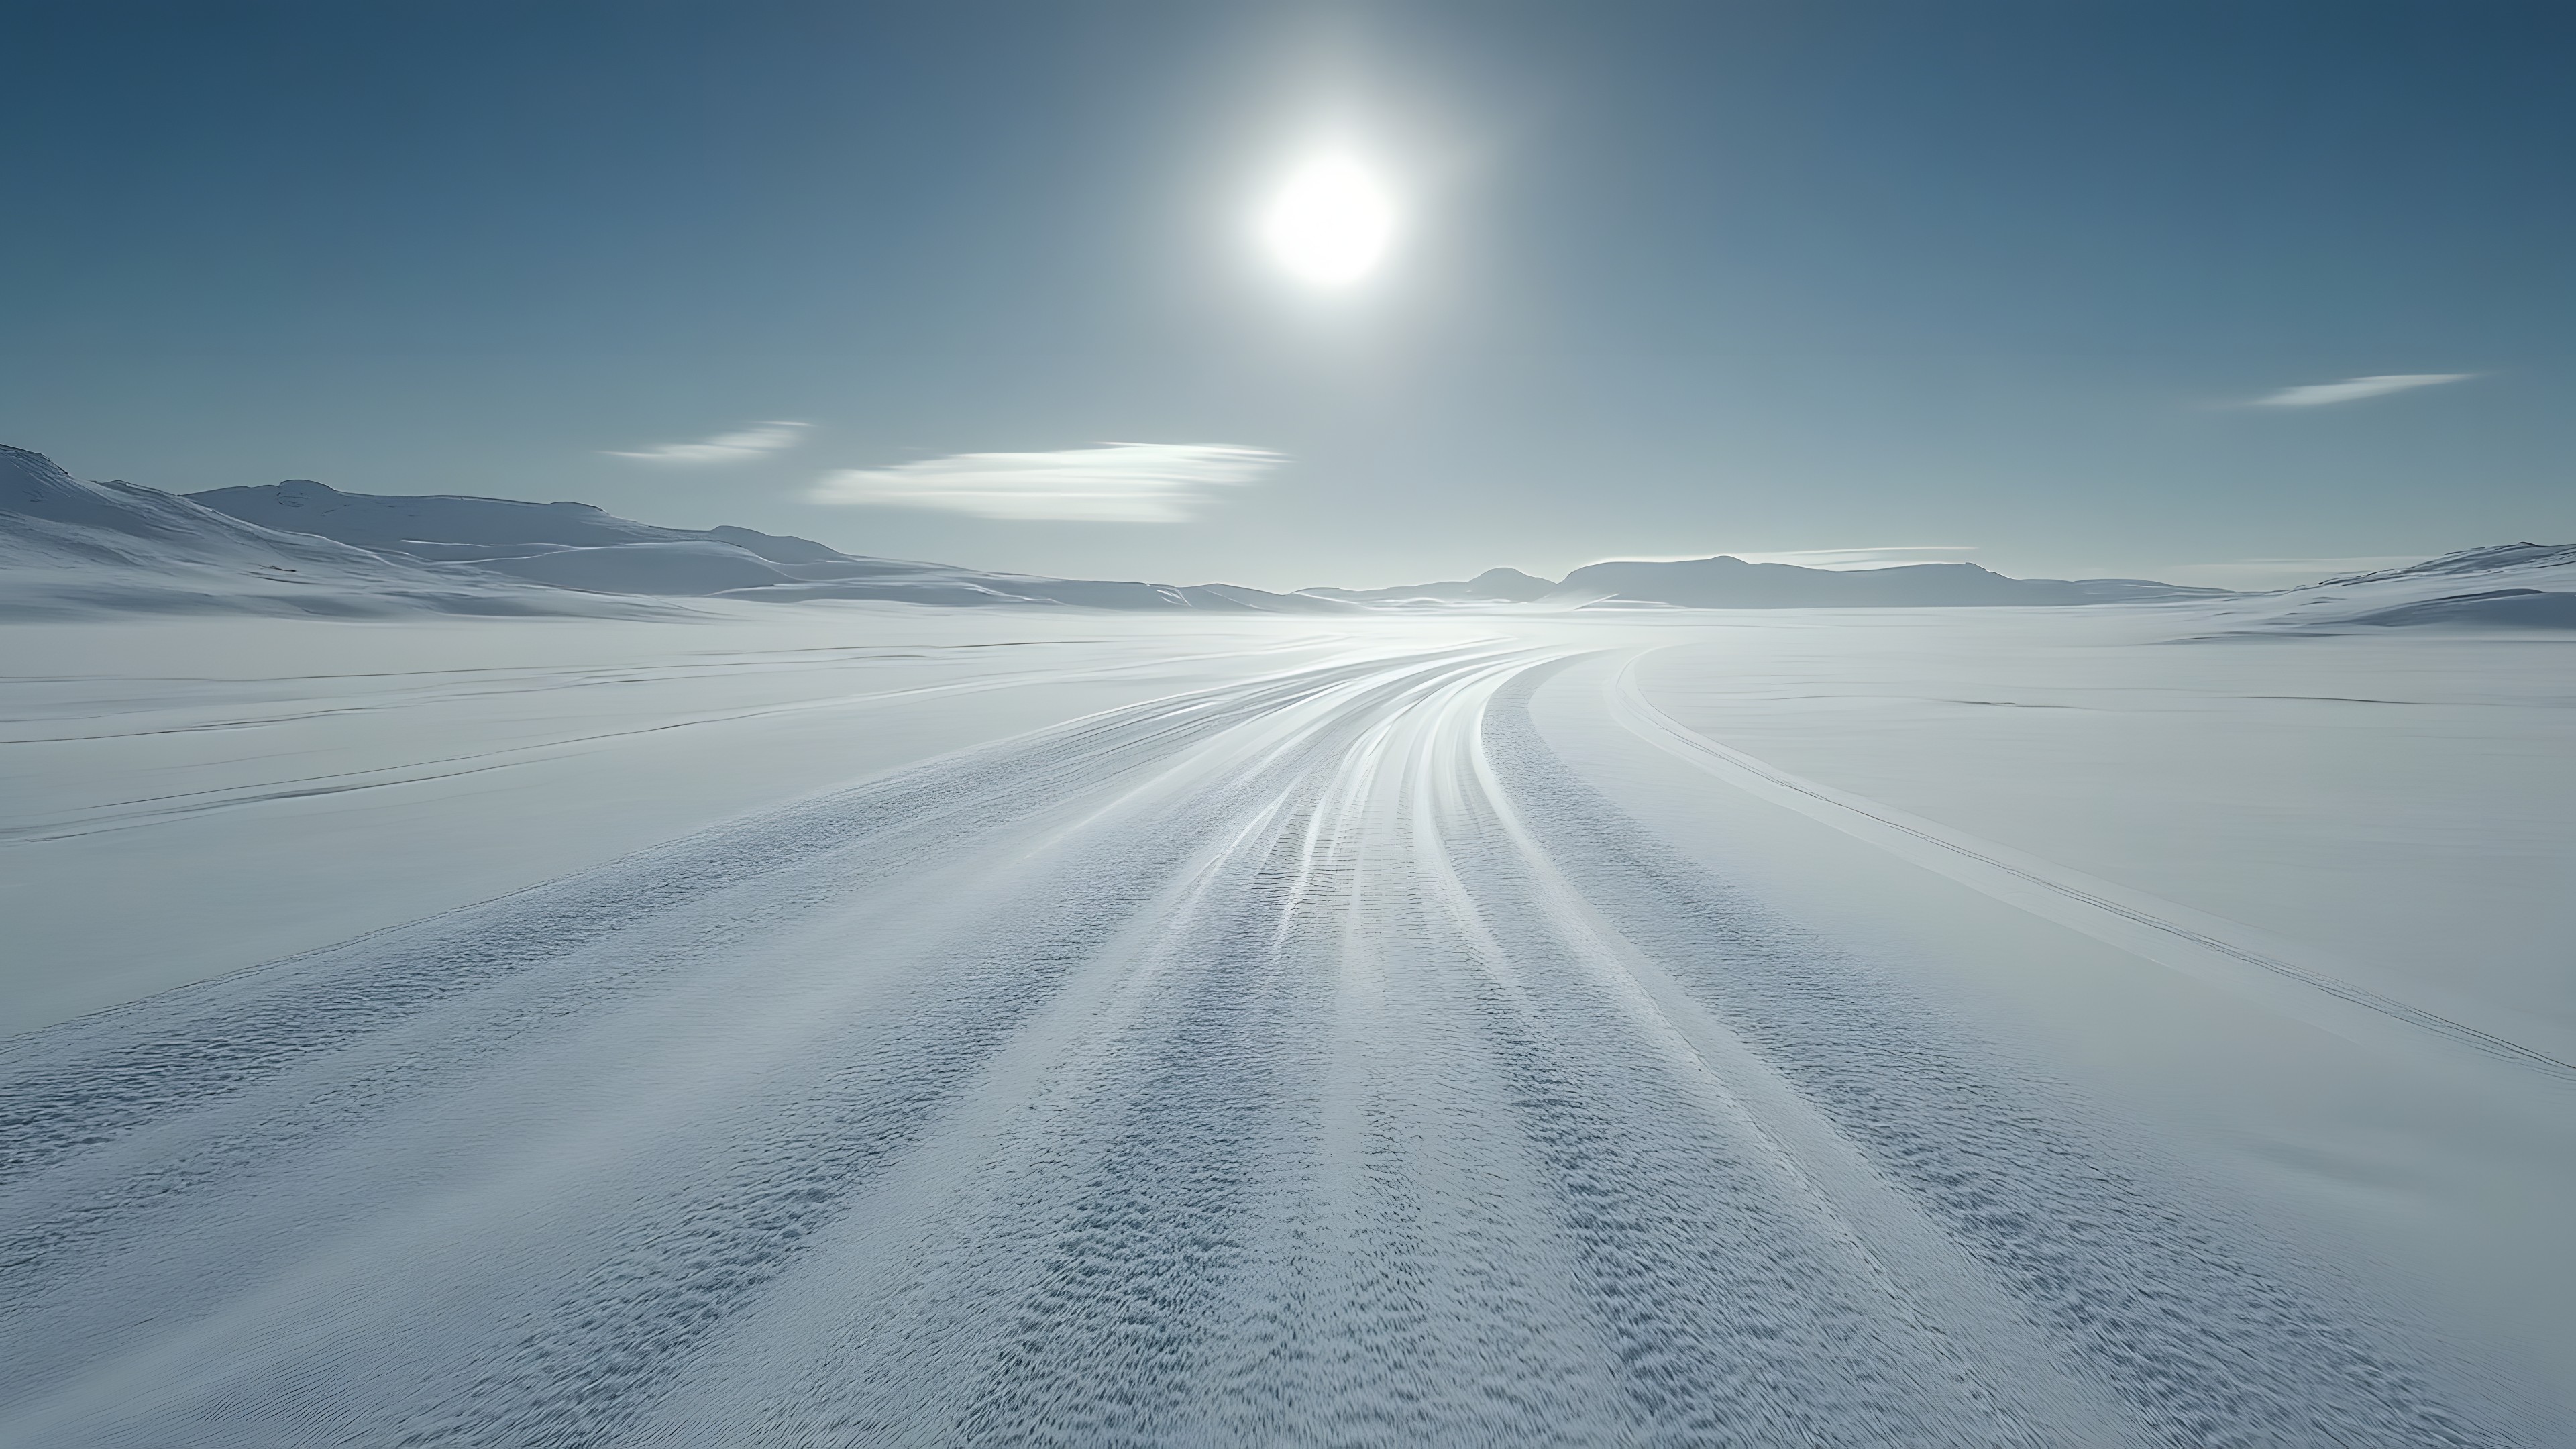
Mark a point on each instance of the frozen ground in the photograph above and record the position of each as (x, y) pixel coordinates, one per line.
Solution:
(863, 1024)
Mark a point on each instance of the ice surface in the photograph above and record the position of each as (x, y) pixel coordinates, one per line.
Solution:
(864, 1023)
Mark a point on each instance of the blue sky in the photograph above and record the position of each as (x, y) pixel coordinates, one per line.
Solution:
(2004, 282)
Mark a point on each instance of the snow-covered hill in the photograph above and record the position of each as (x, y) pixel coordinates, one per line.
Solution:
(2506, 586)
(443, 525)
(2513, 586)
(578, 546)
(74, 547)
(1493, 586)
(1731, 583)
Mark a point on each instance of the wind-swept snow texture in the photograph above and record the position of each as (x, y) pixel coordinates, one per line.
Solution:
(1305, 1052)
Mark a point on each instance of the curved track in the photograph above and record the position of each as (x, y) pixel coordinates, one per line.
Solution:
(1313, 1060)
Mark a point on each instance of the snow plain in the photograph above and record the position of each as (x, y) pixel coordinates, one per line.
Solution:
(869, 1024)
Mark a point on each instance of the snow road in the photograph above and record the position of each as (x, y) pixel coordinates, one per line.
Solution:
(1309, 1057)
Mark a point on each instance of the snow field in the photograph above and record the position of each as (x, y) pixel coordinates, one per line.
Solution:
(1309, 1050)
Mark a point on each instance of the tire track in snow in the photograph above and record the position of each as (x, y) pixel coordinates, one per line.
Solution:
(1741, 1312)
(2150, 1296)
(1313, 1060)
(683, 1269)
(79, 1084)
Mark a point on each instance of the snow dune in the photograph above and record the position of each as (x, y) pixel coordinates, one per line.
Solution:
(1397, 1031)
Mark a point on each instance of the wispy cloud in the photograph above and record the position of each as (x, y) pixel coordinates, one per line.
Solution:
(758, 440)
(2354, 389)
(1878, 557)
(1107, 483)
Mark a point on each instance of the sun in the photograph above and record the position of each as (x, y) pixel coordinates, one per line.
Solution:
(1332, 223)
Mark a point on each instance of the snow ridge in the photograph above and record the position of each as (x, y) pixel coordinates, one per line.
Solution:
(2517, 587)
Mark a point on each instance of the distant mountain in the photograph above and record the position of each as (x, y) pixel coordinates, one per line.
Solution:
(1493, 586)
(442, 524)
(70, 546)
(578, 546)
(1731, 583)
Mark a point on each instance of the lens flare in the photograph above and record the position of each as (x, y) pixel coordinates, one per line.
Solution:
(1331, 224)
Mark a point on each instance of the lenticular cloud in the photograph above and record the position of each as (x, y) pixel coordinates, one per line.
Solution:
(2354, 389)
(1108, 483)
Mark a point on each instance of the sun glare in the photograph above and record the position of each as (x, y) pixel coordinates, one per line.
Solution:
(1331, 224)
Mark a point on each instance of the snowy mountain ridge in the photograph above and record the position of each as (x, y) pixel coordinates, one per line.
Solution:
(420, 524)
(1732, 583)
(1727, 582)
(581, 547)
(300, 546)
(69, 546)
(75, 547)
